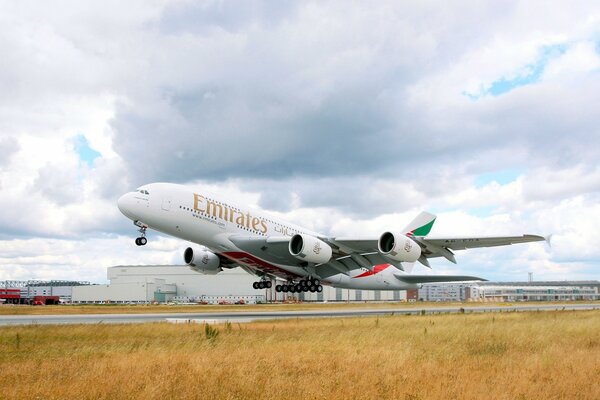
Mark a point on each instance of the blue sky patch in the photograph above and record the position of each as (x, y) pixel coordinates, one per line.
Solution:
(502, 177)
(531, 74)
(482, 212)
(85, 152)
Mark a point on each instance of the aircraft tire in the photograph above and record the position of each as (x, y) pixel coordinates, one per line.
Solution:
(137, 242)
(312, 288)
(316, 282)
(292, 289)
(278, 288)
(319, 288)
(268, 284)
(255, 285)
(284, 288)
(299, 288)
(143, 241)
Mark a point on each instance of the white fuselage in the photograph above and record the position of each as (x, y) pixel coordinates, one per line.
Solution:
(207, 220)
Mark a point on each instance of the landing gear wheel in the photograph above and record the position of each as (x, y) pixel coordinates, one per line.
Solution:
(268, 284)
(284, 288)
(319, 288)
(292, 289)
(316, 282)
(278, 288)
(312, 288)
(299, 288)
(255, 285)
(141, 240)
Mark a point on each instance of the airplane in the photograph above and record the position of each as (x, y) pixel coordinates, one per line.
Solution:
(295, 258)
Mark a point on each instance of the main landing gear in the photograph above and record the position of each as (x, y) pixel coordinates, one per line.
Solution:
(141, 241)
(262, 285)
(306, 285)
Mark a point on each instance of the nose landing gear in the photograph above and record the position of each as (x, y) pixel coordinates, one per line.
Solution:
(141, 241)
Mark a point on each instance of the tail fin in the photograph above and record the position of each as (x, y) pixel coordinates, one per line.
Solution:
(421, 225)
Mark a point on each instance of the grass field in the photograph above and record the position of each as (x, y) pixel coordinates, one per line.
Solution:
(539, 355)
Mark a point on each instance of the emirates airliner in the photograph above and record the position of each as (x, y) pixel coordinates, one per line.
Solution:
(299, 260)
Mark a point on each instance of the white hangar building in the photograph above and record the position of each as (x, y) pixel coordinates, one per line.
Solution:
(167, 283)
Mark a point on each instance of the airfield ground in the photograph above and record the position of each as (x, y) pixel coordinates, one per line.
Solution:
(196, 308)
(528, 355)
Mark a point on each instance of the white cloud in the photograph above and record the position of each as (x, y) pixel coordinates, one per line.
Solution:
(581, 58)
(346, 118)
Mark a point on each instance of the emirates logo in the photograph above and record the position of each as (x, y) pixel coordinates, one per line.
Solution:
(407, 246)
(205, 259)
(317, 248)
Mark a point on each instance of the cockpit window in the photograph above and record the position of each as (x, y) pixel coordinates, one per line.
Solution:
(142, 191)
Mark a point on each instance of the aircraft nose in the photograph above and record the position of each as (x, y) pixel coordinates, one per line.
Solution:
(125, 204)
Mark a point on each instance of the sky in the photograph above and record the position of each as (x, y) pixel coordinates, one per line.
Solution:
(348, 118)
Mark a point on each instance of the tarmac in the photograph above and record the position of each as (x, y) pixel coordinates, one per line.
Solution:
(221, 317)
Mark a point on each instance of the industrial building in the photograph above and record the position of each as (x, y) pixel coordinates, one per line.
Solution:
(170, 283)
(176, 283)
(534, 291)
(37, 292)
(510, 291)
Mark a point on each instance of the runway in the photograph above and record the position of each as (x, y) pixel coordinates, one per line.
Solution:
(217, 317)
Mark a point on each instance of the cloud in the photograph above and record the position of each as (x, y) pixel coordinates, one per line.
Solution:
(8, 147)
(347, 118)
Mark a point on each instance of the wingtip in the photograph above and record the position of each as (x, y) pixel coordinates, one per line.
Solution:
(548, 239)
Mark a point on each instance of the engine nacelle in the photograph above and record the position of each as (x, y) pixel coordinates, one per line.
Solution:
(398, 247)
(202, 261)
(310, 249)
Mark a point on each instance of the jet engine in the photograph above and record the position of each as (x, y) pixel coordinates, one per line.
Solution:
(310, 249)
(398, 247)
(203, 261)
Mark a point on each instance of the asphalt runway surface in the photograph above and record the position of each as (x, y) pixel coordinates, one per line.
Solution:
(218, 317)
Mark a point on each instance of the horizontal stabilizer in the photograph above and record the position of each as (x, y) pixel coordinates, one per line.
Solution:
(436, 278)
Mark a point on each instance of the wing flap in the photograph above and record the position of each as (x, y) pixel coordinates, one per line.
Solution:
(436, 278)
(475, 242)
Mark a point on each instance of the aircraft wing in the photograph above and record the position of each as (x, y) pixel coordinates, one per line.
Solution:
(436, 278)
(276, 250)
(355, 253)
(435, 247)
(273, 249)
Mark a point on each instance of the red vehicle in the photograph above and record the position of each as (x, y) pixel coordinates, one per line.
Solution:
(45, 300)
(11, 296)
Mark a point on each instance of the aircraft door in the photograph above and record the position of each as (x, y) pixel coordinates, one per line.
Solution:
(166, 203)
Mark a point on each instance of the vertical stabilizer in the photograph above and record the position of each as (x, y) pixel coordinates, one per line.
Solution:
(421, 225)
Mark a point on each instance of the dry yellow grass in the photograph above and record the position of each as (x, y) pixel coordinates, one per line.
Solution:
(545, 355)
